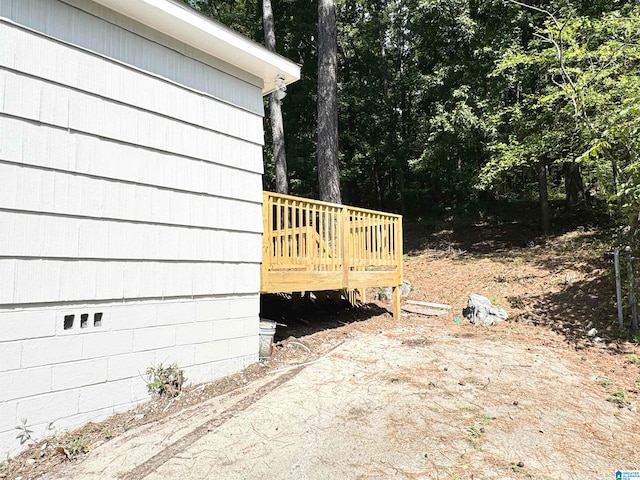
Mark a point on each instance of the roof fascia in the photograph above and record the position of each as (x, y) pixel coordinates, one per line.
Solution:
(181, 22)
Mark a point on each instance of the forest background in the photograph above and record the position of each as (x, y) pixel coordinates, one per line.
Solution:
(460, 106)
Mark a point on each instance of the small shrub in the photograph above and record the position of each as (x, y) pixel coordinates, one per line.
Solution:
(619, 397)
(164, 381)
(74, 445)
(24, 433)
(604, 381)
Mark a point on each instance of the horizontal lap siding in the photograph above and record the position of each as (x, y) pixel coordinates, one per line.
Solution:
(110, 182)
(47, 281)
(54, 105)
(110, 35)
(132, 178)
(80, 238)
(39, 145)
(37, 190)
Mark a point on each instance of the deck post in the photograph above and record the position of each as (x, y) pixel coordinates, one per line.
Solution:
(400, 267)
(396, 303)
(266, 239)
(363, 295)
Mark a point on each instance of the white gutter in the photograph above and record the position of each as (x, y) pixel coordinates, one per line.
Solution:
(188, 26)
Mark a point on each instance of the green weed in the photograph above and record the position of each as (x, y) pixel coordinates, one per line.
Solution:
(74, 445)
(487, 419)
(619, 398)
(164, 381)
(475, 436)
(24, 432)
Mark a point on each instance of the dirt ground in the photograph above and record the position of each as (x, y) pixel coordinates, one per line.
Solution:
(355, 394)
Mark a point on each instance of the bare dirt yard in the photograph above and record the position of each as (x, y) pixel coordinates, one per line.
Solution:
(355, 394)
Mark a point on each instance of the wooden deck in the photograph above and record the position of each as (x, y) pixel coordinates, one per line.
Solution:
(310, 246)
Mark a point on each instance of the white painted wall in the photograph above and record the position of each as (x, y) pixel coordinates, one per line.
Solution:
(131, 193)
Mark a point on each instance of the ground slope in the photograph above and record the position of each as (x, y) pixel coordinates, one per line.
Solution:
(355, 394)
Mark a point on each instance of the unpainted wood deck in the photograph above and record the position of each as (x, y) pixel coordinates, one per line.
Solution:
(310, 245)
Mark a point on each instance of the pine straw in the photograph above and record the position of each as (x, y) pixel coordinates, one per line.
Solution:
(554, 293)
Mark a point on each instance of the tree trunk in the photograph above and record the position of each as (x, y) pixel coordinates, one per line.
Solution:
(544, 197)
(328, 170)
(277, 132)
(574, 188)
(275, 107)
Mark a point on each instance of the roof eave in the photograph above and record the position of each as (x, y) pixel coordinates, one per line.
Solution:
(181, 22)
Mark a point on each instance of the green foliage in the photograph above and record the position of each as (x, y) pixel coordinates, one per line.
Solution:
(619, 398)
(577, 87)
(475, 436)
(24, 432)
(443, 101)
(474, 432)
(164, 381)
(244, 16)
(74, 445)
(487, 419)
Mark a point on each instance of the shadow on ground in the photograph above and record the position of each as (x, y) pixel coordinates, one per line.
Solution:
(506, 236)
(490, 240)
(575, 310)
(311, 315)
(574, 256)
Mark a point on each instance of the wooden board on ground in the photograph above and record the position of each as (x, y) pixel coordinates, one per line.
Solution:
(429, 304)
(421, 310)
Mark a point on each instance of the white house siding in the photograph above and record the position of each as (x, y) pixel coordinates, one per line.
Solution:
(131, 198)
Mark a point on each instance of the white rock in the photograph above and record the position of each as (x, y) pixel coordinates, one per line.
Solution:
(480, 311)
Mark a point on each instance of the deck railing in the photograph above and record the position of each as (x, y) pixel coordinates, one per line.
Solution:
(310, 245)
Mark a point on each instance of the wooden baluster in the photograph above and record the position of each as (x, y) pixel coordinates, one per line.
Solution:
(277, 229)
